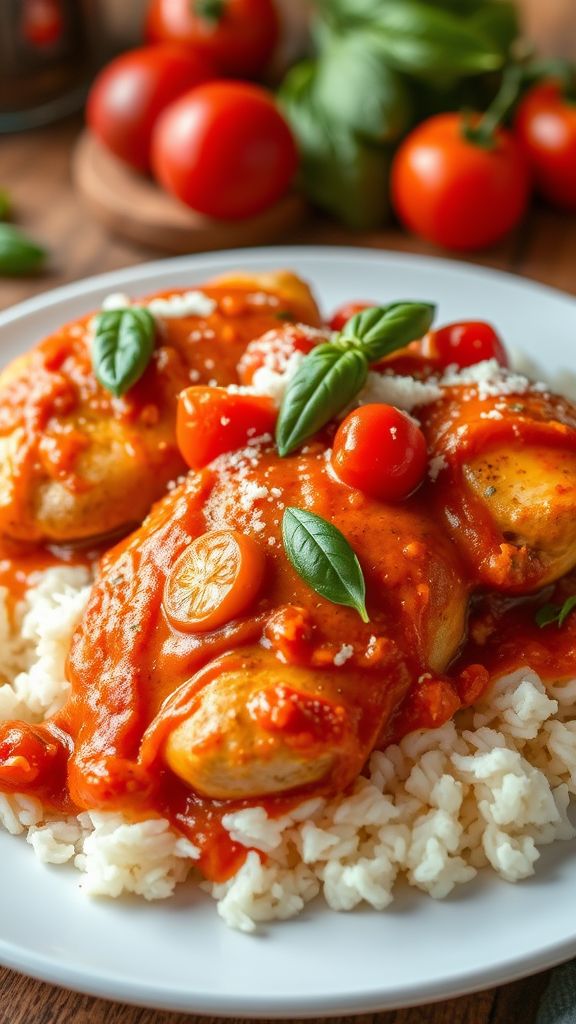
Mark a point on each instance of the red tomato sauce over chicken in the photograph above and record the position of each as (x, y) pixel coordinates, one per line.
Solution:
(208, 675)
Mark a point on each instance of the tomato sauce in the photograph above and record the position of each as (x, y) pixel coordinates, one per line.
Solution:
(329, 680)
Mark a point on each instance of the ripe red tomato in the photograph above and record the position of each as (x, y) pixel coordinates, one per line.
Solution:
(546, 128)
(238, 35)
(464, 344)
(128, 96)
(454, 192)
(210, 421)
(344, 313)
(381, 451)
(225, 150)
(273, 349)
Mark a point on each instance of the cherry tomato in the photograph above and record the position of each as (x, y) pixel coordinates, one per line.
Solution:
(381, 451)
(214, 580)
(464, 344)
(454, 192)
(211, 421)
(546, 127)
(225, 150)
(128, 96)
(344, 313)
(238, 35)
(274, 349)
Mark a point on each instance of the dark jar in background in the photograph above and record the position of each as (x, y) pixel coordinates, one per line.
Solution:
(46, 60)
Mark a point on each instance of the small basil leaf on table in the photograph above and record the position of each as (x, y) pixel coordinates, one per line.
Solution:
(122, 347)
(18, 254)
(356, 88)
(326, 381)
(422, 40)
(384, 329)
(558, 613)
(324, 559)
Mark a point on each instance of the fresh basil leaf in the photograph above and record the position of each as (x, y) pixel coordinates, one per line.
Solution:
(341, 173)
(558, 613)
(424, 41)
(384, 329)
(498, 20)
(122, 347)
(324, 559)
(326, 382)
(355, 87)
(18, 254)
(345, 14)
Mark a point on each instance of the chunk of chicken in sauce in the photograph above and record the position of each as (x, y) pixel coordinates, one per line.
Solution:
(76, 463)
(507, 483)
(290, 696)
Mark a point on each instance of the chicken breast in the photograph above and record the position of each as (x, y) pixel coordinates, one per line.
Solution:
(76, 463)
(507, 483)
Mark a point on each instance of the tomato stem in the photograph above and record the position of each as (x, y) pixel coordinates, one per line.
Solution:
(209, 10)
(556, 68)
(483, 133)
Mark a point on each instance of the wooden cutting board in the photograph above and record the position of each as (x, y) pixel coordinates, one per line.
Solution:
(133, 206)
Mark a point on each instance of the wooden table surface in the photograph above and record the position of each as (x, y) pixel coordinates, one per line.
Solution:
(35, 170)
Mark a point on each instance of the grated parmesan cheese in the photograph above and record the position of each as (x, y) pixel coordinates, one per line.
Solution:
(490, 380)
(435, 467)
(116, 300)
(402, 392)
(181, 305)
(343, 655)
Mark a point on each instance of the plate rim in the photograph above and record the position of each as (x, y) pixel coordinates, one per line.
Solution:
(325, 253)
(178, 999)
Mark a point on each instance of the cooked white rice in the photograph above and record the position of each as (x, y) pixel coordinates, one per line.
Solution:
(487, 790)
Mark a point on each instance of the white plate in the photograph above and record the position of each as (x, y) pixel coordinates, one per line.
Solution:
(178, 955)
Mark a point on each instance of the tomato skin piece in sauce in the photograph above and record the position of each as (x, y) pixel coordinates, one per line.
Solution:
(464, 344)
(380, 451)
(211, 421)
(215, 579)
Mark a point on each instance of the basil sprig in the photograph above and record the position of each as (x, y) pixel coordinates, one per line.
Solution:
(18, 254)
(324, 559)
(331, 375)
(122, 347)
(558, 613)
(382, 330)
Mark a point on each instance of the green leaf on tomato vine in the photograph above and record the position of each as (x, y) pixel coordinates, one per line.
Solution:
(424, 41)
(122, 347)
(340, 172)
(356, 88)
(324, 559)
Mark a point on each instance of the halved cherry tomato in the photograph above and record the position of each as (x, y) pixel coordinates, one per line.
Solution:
(225, 150)
(129, 95)
(546, 128)
(344, 313)
(273, 349)
(211, 421)
(238, 35)
(463, 344)
(214, 580)
(455, 192)
(381, 451)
